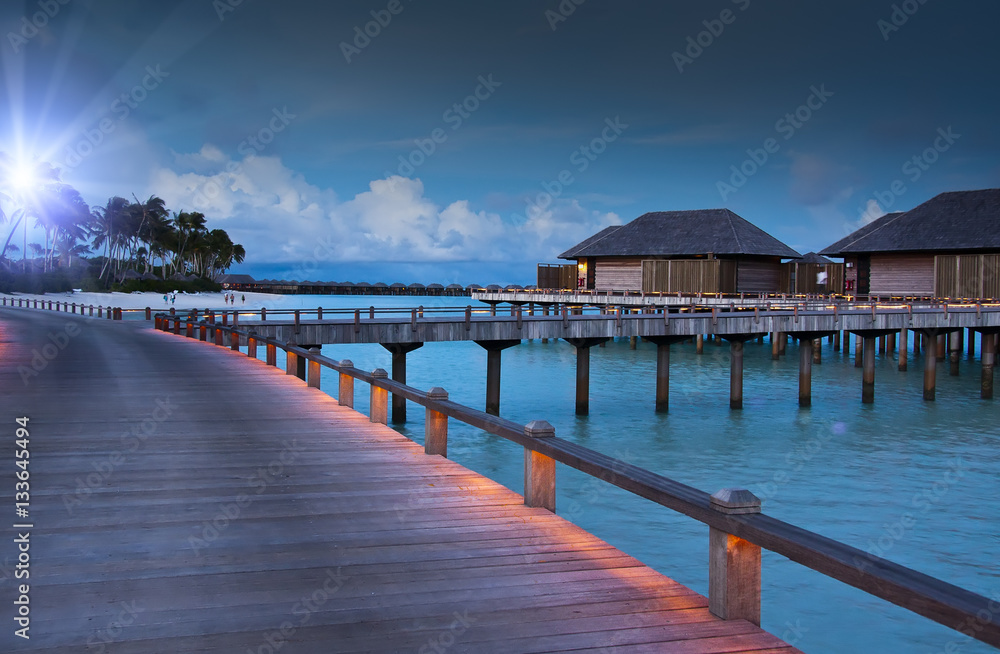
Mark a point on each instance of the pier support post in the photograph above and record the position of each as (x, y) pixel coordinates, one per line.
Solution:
(972, 343)
(379, 406)
(805, 371)
(699, 344)
(733, 563)
(345, 392)
(859, 349)
(836, 341)
(868, 372)
(399, 352)
(989, 358)
(583, 346)
(782, 343)
(775, 347)
(817, 351)
(954, 352)
(493, 350)
(539, 470)
(890, 343)
(436, 425)
(845, 344)
(663, 344)
(314, 370)
(931, 343)
(736, 367)
(942, 346)
(903, 345)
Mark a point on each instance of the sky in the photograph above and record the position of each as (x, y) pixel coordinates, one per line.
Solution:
(445, 141)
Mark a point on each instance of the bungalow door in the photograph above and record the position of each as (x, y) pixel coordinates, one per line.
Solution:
(864, 274)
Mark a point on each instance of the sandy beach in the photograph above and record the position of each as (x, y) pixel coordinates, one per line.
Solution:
(155, 300)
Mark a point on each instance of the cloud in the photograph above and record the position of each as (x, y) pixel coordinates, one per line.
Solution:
(280, 217)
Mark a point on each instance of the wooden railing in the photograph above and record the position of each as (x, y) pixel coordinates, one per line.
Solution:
(738, 529)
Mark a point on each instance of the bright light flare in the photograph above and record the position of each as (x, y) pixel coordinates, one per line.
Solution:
(21, 176)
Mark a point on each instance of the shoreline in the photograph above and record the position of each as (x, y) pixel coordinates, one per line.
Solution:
(153, 300)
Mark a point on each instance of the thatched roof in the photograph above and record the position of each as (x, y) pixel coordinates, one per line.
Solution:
(236, 279)
(435, 287)
(960, 221)
(149, 277)
(455, 287)
(682, 234)
(812, 257)
(131, 274)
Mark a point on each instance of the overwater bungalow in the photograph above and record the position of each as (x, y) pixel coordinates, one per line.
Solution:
(706, 251)
(948, 246)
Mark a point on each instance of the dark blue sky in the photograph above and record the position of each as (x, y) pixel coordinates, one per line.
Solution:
(324, 167)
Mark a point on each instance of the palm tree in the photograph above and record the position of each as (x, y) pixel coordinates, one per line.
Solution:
(25, 184)
(108, 222)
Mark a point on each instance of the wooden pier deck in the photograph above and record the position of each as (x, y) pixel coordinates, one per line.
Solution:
(185, 498)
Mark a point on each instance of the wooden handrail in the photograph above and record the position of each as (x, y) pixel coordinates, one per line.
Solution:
(945, 603)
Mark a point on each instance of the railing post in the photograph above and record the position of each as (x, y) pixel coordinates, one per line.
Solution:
(539, 470)
(314, 372)
(379, 399)
(177, 325)
(345, 395)
(189, 331)
(252, 345)
(148, 312)
(734, 563)
(436, 425)
(234, 340)
(272, 355)
(202, 331)
(291, 363)
(218, 336)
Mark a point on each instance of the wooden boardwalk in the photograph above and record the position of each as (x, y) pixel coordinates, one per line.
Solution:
(187, 499)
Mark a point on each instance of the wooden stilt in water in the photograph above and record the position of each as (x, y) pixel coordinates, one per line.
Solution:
(775, 346)
(736, 374)
(805, 371)
(868, 374)
(399, 352)
(954, 352)
(903, 337)
(930, 367)
(817, 351)
(989, 359)
(699, 344)
(493, 350)
(859, 346)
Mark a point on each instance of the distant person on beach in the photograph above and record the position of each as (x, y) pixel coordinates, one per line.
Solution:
(165, 298)
(243, 298)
